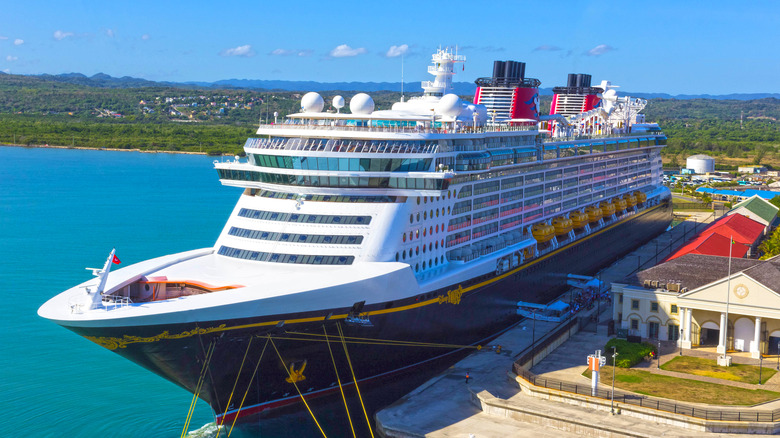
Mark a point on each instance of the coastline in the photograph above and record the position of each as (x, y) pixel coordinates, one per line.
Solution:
(48, 146)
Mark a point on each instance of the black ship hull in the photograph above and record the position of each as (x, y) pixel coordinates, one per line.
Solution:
(249, 366)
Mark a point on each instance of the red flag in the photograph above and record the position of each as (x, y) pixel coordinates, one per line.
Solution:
(116, 260)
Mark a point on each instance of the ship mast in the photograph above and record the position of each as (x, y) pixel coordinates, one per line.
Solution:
(443, 69)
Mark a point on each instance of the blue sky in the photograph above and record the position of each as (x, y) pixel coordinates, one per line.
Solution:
(689, 47)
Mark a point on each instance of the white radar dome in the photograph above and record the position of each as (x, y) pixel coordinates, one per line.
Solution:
(312, 103)
(449, 105)
(338, 102)
(361, 103)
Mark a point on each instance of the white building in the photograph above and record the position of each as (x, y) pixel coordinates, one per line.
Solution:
(691, 300)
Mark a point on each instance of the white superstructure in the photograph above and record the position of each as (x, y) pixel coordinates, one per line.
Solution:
(427, 194)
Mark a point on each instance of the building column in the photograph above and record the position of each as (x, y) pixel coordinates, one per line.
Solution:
(687, 324)
(722, 335)
(755, 346)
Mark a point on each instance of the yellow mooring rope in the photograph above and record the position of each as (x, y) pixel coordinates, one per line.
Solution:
(338, 379)
(230, 399)
(374, 341)
(248, 387)
(198, 387)
(296, 387)
(349, 361)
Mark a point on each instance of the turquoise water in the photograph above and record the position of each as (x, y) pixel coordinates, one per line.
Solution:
(62, 211)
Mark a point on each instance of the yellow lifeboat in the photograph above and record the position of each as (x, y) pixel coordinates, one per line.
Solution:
(542, 232)
(607, 208)
(562, 225)
(594, 213)
(619, 204)
(640, 197)
(630, 199)
(579, 219)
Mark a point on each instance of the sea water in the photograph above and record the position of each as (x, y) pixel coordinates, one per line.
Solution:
(62, 210)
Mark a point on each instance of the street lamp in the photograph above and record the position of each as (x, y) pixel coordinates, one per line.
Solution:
(760, 365)
(614, 359)
(658, 353)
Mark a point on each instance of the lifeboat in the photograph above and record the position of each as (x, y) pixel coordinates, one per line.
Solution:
(619, 204)
(630, 199)
(594, 213)
(562, 225)
(607, 208)
(579, 219)
(640, 197)
(542, 232)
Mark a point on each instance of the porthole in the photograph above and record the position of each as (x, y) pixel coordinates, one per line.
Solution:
(397, 257)
(424, 231)
(418, 216)
(431, 214)
(437, 212)
(403, 255)
(442, 243)
(417, 251)
(416, 234)
(425, 215)
(437, 245)
(430, 247)
(411, 218)
(430, 230)
(448, 210)
(423, 249)
(436, 261)
(423, 265)
(417, 267)
(404, 237)
(437, 228)
(418, 201)
(425, 201)
(449, 194)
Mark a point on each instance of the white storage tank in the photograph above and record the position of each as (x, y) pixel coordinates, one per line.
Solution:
(701, 163)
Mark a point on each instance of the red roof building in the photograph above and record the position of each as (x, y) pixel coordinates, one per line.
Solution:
(714, 240)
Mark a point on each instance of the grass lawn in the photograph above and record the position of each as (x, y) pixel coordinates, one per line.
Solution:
(643, 382)
(710, 368)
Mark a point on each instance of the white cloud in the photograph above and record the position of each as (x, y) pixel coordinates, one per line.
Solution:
(245, 51)
(344, 50)
(8, 70)
(306, 52)
(11, 58)
(599, 50)
(3, 37)
(60, 35)
(145, 37)
(110, 33)
(396, 51)
(282, 52)
(18, 42)
(547, 48)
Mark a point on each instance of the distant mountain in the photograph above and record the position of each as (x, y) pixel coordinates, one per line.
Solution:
(103, 80)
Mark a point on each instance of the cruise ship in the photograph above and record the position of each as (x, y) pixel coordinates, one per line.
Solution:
(368, 241)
